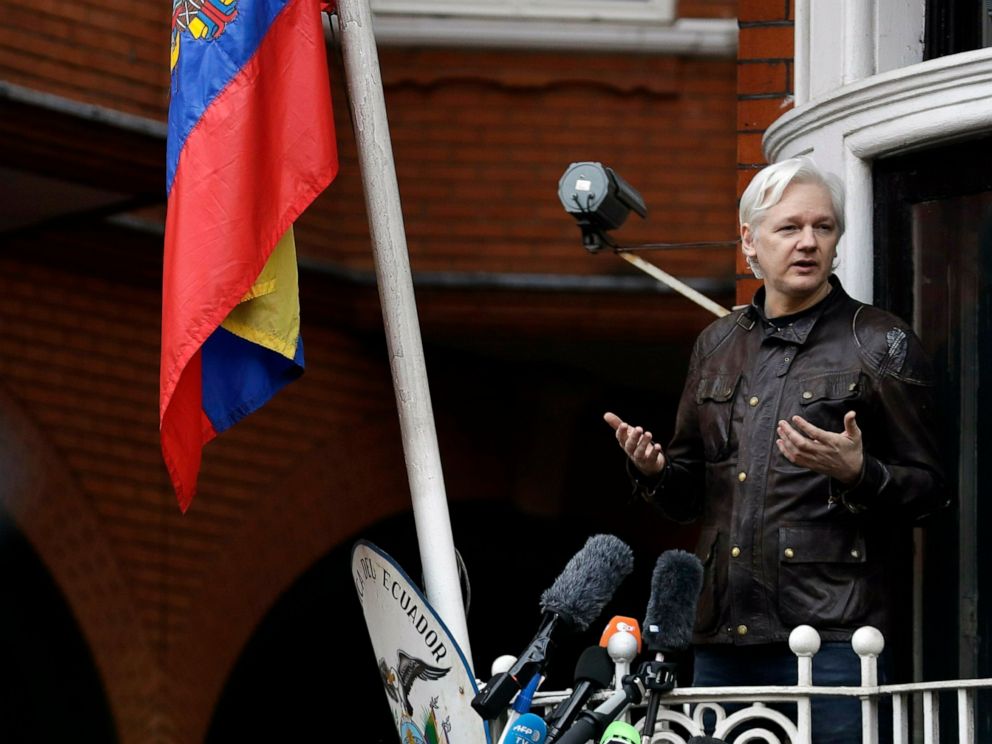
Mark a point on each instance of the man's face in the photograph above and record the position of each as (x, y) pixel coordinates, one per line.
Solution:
(795, 245)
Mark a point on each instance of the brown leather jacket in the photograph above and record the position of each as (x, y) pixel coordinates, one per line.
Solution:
(781, 545)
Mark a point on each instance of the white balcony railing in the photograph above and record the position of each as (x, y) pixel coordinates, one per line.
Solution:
(689, 712)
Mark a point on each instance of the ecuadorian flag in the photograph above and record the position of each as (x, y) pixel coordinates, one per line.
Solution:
(251, 144)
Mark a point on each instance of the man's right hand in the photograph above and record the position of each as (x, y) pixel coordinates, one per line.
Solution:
(644, 453)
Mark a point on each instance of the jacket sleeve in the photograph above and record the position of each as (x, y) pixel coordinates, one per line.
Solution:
(902, 473)
(678, 490)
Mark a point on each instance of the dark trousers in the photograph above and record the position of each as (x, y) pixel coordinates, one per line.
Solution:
(836, 720)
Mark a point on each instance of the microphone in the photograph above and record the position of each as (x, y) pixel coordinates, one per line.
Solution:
(622, 638)
(621, 624)
(528, 729)
(574, 600)
(620, 732)
(593, 671)
(675, 586)
(521, 705)
(591, 724)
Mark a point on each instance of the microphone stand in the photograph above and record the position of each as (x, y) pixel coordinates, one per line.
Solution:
(658, 677)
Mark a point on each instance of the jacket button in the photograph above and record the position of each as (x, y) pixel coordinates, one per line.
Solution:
(807, 395)
(754, 401)
(742, 476)
(852, 387)
(735, 551)
(855, 553)
(741, 630)
(789, 553)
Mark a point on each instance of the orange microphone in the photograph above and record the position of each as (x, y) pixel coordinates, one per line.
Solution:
(621, 624)
(622, 641)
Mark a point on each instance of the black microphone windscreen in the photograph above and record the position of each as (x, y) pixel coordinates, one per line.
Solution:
(596, 666)
(590, 577)
(675, 585)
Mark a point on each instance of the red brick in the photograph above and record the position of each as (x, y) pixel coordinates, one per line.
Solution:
(744, 176)
(746, 287)
(756, 115)
(749, 148)
(740, 265)
(762, 10)
(766, 42)
(763, 77)
(707, 9)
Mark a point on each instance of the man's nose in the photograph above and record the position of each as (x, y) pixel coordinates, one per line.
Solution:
(807, 238)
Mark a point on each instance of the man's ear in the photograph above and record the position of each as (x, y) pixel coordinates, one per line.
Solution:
(747, 241)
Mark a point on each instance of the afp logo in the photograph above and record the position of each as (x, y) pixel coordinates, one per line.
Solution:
(529, 729)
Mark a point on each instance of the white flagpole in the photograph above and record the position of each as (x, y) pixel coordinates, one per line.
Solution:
(399, 312)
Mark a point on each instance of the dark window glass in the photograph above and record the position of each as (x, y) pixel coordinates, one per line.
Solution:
(954, 26)
(933, 266)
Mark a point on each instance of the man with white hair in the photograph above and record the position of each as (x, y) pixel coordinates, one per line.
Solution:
(805, 446)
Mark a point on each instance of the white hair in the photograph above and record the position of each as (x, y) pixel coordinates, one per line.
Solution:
(767, 187)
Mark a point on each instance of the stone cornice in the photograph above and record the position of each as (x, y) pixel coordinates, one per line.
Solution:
(903, 109)
(687, 36)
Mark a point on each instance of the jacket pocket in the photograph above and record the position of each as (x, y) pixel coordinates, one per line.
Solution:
(707, 615)
(822, 576)
(824, 399)
(715, 404)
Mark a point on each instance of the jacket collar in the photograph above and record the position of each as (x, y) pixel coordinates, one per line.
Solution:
(797, 330)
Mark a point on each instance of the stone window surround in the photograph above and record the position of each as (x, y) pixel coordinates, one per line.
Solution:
(638, 26)
(918, 106)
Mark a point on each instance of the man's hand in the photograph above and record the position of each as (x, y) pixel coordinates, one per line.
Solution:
(638, 444)
(838, 455)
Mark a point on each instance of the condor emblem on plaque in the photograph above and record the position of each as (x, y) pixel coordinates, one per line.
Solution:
(425, 675)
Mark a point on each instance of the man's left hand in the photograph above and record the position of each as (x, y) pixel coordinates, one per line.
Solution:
(838, 455)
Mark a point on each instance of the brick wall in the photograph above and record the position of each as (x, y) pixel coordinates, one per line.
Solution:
(764, 92)
(481, 138)
(79, 362)
(115, 54)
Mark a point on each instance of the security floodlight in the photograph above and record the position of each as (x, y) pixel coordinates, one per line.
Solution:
(599, 200)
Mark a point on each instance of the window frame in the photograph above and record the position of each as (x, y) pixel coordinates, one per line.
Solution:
(630, 11)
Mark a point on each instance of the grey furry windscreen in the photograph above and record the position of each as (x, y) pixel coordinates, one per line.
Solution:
(675, 585)
(590, 577)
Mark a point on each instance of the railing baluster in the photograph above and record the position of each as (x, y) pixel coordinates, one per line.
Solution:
(900, 719)
(804, 642)
(931, 718)
(966, 716)
(868, 644)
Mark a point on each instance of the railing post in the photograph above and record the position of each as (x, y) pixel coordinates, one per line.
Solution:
(900, 718)
(966, 717)
(931, 717)
(804, 642)
(868, 644)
